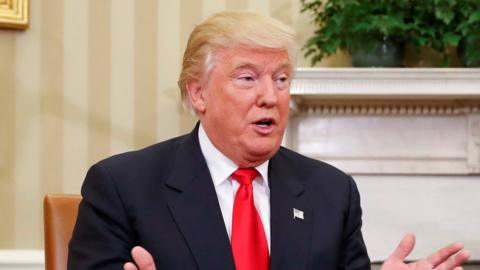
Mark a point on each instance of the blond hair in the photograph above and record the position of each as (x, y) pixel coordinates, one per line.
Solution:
(231, 29)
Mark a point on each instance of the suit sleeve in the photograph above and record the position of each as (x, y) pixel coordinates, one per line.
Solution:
(354, 252)
(102, 236)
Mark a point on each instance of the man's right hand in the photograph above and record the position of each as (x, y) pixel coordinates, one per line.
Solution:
(142, 258)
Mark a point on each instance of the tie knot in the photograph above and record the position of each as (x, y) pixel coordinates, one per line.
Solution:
(245, 176)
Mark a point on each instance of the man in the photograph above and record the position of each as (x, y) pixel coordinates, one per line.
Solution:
(227, 196)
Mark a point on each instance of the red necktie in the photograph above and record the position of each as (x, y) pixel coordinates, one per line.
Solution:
(249, 245)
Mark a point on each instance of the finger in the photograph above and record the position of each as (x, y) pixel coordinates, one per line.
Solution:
(143, 258)
(443, 254)
(404, 248)
(458, 268)
(129, 266)
(454, 262)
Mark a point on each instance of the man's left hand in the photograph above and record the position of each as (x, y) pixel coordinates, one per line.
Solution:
(450, 257)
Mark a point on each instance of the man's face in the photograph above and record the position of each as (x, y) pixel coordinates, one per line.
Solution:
(243, 102)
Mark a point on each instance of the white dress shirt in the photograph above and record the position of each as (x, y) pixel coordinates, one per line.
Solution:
(221, 167)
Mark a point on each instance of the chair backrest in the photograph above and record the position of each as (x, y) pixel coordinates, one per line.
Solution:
(59, 216)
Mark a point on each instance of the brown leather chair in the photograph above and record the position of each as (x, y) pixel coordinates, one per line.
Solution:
(59, 215)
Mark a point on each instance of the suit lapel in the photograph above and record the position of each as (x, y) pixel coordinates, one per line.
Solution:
(194, 206)
(290, 238)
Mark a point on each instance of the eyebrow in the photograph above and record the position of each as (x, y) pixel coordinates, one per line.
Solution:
(245, 64)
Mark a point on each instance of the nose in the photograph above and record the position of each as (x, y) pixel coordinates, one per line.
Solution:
(267, 93)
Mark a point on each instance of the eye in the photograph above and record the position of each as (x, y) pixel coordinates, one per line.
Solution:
(247, 78)
(282, 81)
(245, 81)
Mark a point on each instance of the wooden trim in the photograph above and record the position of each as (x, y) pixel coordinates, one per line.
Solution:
(22, 259)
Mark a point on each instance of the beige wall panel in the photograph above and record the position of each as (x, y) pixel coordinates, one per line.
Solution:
(190, 16)
(75, 95)
(236, 4)
(99, 74)
(259, 6)
(28, 211)
(145, 72)
(209, 7)
(281, 10)
(92, 78)
(122, 76)
(301, 23)
(51, 61)
(7, 138)
(168, 62)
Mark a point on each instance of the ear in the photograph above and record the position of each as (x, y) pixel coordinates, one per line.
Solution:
(196, 95)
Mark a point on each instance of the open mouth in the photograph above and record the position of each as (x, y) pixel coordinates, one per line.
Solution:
(265, 122)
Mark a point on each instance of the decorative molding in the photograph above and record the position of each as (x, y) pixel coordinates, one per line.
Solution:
(398, 108)
(14, 14)
(387, 83)
(474, 142)
(22, 259)
(388, 121)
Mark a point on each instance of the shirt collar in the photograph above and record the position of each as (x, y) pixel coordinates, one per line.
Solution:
(220, 166)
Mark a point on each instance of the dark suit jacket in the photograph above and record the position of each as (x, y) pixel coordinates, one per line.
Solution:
(163, 198)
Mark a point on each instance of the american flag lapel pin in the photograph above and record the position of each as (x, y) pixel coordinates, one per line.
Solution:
(297, 214)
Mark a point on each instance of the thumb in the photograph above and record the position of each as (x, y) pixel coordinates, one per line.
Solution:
(404, 248)
(143, 259)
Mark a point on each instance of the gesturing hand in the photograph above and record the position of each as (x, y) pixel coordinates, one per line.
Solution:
(450, 257)
(142, 258)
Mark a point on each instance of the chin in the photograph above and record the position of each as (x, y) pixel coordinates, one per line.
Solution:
(264, 150)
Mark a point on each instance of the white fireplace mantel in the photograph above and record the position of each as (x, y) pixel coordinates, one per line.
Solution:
(387, 83)
(388, 121)
(411, 140)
